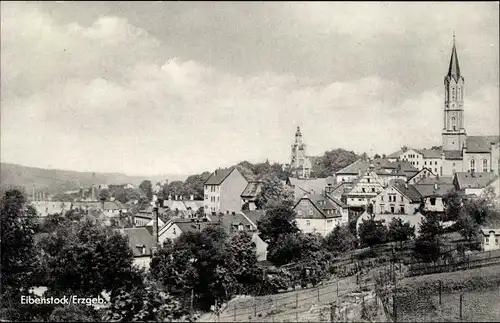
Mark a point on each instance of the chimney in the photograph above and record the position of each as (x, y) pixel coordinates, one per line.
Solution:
(215, 172)
(155, 230)
(191, 197)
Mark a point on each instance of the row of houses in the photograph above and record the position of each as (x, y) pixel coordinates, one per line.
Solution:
(144, 239)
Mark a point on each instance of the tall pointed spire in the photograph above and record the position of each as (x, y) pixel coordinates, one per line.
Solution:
(454, 69)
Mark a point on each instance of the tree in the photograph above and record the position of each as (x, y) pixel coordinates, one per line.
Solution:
(454, 206)
(274, 194)
(145, 302)
(340, 240)
(277, 221)
(428, 243)
(19, 266)
(399, 231)
(372, 232)
(377, 156)
(147, 188)
(467, 226)
(18, 226)
(332, 161)
(86, 258)
(104, 195)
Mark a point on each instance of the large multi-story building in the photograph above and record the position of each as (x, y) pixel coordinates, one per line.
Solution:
(223, 191)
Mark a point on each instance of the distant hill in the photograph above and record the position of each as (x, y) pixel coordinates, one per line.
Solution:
(54, 181)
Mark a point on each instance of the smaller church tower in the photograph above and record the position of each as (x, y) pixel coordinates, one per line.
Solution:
(299, 161)
(454, 135)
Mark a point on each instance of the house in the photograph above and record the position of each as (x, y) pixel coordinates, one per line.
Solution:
(472, 183)
(44, 208)
(423, 173)
(350, 173)
(250, 193)
(433, 190)
(223, 191)
(306, 186)
(114, 208)
(397, 198)
(141, 241)
(320, 213)
(490, 239)
(143, 216)
(232, 223)
(414, 219)
(364, 190)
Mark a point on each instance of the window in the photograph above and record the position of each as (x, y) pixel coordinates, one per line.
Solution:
(402, 198)
(299, 212)
(381, 197)
(435, 163)
(310, 212)
(217, 199)
(433, 201)
(173, 231)
(392, 209)
(486, 240)
(373, 189)
(496, 240)
(485, 165)
(402, 209)
(454, 123)
(425, 163)
(308, 222)
(368, 180)
(360, 200)
(240, 227)
(435, 170)
(329, 221)
(472, 165)
(363, 189)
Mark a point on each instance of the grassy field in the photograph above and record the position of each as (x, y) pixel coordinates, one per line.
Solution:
(418, 300)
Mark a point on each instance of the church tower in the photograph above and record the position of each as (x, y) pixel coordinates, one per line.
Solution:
(454, 135)
(300, 163)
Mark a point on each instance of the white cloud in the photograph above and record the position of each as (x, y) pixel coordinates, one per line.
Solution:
(108, 97)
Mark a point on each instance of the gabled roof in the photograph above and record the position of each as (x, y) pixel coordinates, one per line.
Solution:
(254, 216)
(193, 226)
(138, 237)
(481, 144)
(252, 190)
(407, 190)
(231, 221)
(322, 203)
(354, 168)
(217, 177)
(441, 180)
(476, 180)
(306, 185)
(425, 169)
(427, 190)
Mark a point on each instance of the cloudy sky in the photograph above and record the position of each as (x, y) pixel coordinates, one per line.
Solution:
(184, 87)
